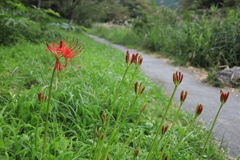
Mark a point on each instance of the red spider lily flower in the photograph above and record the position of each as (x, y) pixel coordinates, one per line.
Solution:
(127, 57)
(136, 153)
(140, 59)
(223, 97)
(58, 64)
(135, 58)
(63, 50)
(138, 89)
(177, 78)
(104, 117)
(199, 109)
(183, 96)
(42, 97)
(164, 129)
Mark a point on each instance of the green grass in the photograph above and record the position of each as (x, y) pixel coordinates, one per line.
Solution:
(84, 92)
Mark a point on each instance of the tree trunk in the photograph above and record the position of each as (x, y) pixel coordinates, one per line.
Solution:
(38, 7)
(39, 4)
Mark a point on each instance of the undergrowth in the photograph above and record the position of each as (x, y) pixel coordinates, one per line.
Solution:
(84, 93)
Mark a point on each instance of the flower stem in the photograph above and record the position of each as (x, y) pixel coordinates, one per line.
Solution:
(169, 133)
(47, 113)
(210, 132)
(120, 113)
(181, 138)
(99, 146)
(36, 131)
(130, 136)
(160, 126)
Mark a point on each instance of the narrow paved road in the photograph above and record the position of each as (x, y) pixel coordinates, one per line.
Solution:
(228, 124)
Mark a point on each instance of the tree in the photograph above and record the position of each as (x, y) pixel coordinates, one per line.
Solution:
(200, 4)
(209, 3)
(184, 4)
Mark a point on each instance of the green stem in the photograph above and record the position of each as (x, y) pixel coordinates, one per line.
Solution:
(120, 113)
(130, 136)
(125, 117)
(181, 138)
(47, 114)
(97, 153)
(210, 132)
(160, 126)
(170, 131)
(36, 132)
(115, 130)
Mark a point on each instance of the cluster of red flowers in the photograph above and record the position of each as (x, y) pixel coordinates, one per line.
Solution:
(63, 50)
(136, 58)
(177, 78)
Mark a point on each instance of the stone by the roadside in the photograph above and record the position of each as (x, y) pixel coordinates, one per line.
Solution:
(230, 77)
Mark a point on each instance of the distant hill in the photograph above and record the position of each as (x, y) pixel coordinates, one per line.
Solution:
(167, 2)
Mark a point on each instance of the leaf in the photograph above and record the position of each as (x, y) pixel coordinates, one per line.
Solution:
(10, 21)
(52, 12)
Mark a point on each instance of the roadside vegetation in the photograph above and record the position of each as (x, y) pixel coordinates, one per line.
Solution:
(208, 40)
(88, 108)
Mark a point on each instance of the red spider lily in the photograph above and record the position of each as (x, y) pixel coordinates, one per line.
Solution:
(104, 117)
(199, 109)
(63, 50)
(136, 153)
(42, 97)
(138, 89)
(136, 58)
(164, 129)
(127, 57)
(183, 96)
(177, 78)
(223, 97)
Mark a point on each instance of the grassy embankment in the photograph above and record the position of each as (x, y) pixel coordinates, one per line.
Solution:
(84, 92)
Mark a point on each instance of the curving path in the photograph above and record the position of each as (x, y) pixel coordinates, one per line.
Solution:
(228, 123)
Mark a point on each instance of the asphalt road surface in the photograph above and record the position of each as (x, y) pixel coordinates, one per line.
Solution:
(228, 123)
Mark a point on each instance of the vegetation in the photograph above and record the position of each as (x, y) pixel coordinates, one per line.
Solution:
(96, 106)
(79, 99)
(209, 40)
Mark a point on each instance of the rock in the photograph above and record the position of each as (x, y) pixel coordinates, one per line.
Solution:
(230, 77)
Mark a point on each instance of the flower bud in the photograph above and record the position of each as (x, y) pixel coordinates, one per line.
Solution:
(136, 153)
(42, 97)
(102, 136)
(183, 96)
(199, 109)
(164, 129)
(140, 59)
(177, 78)
(223, 97)
(136, 87)
(104, 117)
(127, 57)
(136, 58)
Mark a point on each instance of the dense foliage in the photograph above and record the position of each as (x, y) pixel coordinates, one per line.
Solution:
(82, 94)
(207, 38)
